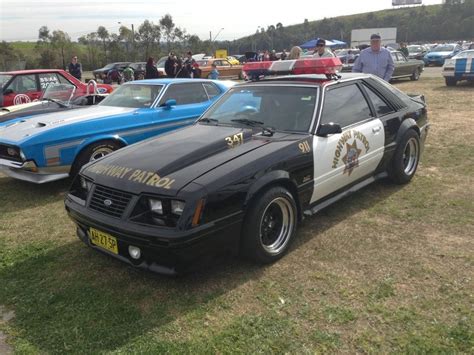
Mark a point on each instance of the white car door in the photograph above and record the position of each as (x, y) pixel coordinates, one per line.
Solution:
(344, 158)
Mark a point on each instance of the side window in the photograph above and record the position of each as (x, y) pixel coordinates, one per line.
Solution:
(225, 63)
(394, 57)
(47, 78)
(401, 57)
(380, 105)
(63, 80)
(23, 83)
(211, 90)
(185, 94)
(218, 63)
(345, 106)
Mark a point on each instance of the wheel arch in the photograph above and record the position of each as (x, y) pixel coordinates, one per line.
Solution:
(275, 178)
(407, 124)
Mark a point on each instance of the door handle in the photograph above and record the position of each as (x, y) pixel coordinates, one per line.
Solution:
(376, 129)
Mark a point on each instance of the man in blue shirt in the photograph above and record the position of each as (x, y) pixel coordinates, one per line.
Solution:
(375, 60)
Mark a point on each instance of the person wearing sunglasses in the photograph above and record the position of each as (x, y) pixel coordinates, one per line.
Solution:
(321, 50)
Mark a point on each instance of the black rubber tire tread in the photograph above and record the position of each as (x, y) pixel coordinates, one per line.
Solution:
(396, 170)
(450, 81)
(84, 156)
(251, 247)
(416, 75)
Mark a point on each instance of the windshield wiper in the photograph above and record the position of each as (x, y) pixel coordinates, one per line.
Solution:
(253, 123)
(208, 120)
(60, 103)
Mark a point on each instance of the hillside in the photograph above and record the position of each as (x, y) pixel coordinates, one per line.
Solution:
(422, 23)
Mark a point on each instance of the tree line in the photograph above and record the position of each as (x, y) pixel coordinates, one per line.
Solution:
(451, 21)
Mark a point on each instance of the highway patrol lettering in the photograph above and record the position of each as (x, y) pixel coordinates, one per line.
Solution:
(136, 175)
(343, 143)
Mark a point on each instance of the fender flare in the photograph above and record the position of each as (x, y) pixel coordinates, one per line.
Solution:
(407, 124)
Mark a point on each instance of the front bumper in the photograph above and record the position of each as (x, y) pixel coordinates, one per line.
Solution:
(17, 170)
(436, 61)
(163, 250)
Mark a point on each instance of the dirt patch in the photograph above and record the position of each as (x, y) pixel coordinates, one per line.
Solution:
(5, 316)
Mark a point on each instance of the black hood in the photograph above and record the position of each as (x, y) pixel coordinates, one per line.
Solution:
(165, 164)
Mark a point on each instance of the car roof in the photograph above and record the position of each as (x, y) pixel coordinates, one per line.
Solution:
(311, 78)
(33, 71)
(166, 81)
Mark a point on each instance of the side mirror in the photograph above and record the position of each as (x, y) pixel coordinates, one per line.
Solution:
(329, 128)
(8, 92)
(169, 103)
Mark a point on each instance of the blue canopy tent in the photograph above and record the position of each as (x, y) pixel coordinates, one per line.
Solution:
(339, 43)
(311, 44)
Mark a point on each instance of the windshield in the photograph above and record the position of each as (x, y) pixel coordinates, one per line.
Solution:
(109, 66)
(283, 108)
(465, 54)
(443, 48)
(59, 92)
(4, 78)
(414, 49)
(133, 95)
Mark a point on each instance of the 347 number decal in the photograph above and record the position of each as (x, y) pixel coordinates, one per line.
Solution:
(235, 140)
(304, 147)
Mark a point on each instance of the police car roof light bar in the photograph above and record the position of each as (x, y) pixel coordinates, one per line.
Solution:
(328, 66)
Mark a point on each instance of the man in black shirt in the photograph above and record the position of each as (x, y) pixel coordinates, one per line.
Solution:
(75, 68)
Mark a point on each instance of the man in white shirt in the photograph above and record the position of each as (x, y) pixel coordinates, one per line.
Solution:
(321, 50)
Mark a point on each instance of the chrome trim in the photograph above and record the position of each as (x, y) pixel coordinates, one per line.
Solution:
(14, 170)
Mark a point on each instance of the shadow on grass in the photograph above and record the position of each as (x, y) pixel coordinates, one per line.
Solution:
(71, 298)
(460, 86)
(16, 195)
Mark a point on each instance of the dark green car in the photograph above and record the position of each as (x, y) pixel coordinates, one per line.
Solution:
(404, 68)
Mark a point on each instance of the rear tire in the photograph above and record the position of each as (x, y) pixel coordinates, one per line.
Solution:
(269, 226)
(406, 158)
(450, 81)
(93, 152)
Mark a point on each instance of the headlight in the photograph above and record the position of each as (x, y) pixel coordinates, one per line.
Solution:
(85, 184)
(177, 207)
(156, 206)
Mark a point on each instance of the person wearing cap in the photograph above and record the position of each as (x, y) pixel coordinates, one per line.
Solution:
(321, 51)
(375, 60)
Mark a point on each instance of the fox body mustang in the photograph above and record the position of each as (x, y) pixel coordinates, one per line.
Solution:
(242, 177)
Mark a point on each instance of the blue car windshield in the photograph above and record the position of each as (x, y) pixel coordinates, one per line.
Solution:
(285, 108)
(133, 96)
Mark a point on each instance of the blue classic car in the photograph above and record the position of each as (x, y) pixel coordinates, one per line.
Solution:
(440, 53)
(53, 146)
(460, 67)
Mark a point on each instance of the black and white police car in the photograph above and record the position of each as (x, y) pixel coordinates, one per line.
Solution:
(242, 177)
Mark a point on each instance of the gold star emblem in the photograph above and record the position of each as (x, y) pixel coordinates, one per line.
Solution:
(351, 159)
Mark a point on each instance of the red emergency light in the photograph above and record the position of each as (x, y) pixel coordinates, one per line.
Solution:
(327, 66)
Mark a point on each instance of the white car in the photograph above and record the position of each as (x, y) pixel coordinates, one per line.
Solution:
(460, 67)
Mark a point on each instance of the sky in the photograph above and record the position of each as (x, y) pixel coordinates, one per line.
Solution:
(20, 20)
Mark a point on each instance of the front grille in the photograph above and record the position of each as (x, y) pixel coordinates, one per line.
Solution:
(4, 153)
(117, 201)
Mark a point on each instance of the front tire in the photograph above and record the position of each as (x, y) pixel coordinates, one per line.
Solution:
(91, 153)
(269, 226)
(416, 75)
(450, 81)
(406, 158)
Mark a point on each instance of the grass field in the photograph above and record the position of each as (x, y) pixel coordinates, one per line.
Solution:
(389, 269)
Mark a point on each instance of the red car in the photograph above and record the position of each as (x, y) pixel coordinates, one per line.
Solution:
(23, 86)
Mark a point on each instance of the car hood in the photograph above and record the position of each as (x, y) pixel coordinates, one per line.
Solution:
(21, 129)
(166, 164)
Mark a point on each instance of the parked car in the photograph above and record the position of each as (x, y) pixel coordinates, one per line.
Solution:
(416, 51)
(241, 179)
(138, 70)
(226, 70)
(404, 68)
(346, 57)
(460, 67)
(23, 86)
(54, 146)
(101, 74)
(440, 53)
(233, 60)
(56, 97)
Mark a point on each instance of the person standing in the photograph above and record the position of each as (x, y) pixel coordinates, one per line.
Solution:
(283, 55)
(172, 67)
(375, 60)
(321, 50)
(150, 69)
(75, 68)
(214, 74)
(295, 53)
(404, 49)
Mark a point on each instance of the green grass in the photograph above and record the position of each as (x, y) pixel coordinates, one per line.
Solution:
(388, 269)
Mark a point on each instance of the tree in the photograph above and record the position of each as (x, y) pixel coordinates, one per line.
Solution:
(167, 25)
(61, 41)
(149, 34)
(103, 34)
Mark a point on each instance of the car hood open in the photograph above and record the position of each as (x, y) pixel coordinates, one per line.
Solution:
(166, 164)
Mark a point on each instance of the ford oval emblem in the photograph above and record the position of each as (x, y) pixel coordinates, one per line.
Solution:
(107, 203)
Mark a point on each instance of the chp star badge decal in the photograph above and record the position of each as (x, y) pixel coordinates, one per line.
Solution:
(351, 159)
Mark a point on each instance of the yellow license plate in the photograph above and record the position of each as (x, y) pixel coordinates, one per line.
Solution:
(103, 240)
